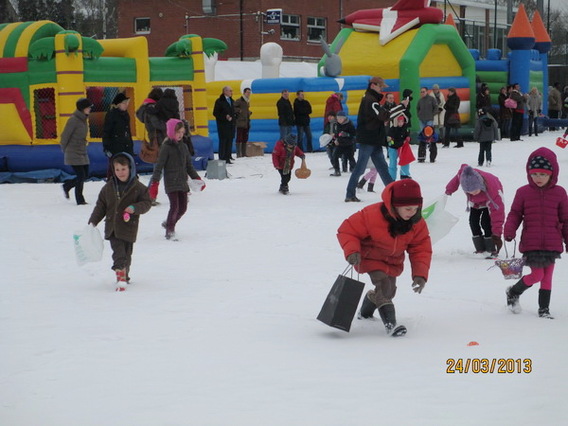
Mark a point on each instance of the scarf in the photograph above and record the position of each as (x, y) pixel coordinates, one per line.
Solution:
(289, 158)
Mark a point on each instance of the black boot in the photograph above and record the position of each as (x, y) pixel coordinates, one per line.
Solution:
(361, 183)
(478, 243)
(336, 173)
(367, 308)
(513, 294)
(543, 303)
(388, 315)
(370, 187)
(490, 246)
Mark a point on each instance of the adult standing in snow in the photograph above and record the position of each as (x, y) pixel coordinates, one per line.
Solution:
(426, 108)
(484, 193)
(452, 120)
(74, 146)
(518, 112)
(285, 114)
(371, 136)
(542, 207)
(243, 113)
(224, 112)
(375, 240)
(302, 111)
(440, 101)
(117, 136)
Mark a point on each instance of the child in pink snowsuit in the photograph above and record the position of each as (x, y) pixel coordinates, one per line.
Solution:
(542, 208)
(371, 177)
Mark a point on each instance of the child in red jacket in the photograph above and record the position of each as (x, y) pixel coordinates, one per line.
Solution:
(542, 207)
(375, 240)
(283, 159)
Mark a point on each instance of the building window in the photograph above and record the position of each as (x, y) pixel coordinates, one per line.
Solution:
(290, 27)
(142, 25)
(316, 29)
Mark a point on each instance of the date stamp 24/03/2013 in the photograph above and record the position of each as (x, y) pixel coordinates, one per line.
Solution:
(489, 365)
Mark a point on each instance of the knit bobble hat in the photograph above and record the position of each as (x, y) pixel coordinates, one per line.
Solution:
(406, 192)
(119, 98)
(290, 139)
(471, 180)
(539, 164)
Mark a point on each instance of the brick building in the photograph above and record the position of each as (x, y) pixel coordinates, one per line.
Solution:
(239, 23)
(244, 26)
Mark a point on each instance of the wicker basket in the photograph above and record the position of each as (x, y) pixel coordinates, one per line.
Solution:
(512, 268)
(303, 172)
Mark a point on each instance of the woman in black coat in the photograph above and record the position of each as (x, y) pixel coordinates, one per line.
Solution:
(117, 136)
(452, 119)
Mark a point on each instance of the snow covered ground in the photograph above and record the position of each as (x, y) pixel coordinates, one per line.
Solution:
(219, 328)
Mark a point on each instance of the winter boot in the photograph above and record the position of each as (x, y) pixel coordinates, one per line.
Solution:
(336, 173)
(120, 279)
(513, 294)
(367, 308)
(543, 303)
(478, 243)
(490, 246)
(388, 315)
(370, 187)
(361, 183)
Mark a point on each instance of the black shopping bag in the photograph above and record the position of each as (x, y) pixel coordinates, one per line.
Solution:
(341, 303)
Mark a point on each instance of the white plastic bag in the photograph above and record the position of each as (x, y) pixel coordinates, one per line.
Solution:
(196, 185)
(439, 221)
(88, 244)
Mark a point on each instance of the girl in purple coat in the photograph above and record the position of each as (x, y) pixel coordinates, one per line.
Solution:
(542, 207)
(485, 205)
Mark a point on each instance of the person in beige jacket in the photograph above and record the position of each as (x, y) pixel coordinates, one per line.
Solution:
(74, 146)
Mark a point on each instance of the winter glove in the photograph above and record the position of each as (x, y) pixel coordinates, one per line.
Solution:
(508, 239)
(197, 185)
(153, 190)
(418, 284)
(498, 242)
(354, 258)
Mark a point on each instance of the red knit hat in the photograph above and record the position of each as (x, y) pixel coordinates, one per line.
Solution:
(406, 192)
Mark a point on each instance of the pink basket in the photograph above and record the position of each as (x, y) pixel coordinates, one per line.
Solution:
(512, 268)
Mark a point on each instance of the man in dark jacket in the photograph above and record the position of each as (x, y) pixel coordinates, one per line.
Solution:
(302, 111)
(371, 136)
(285, 114)
(243, 113)
(224, 112)
(426, 108)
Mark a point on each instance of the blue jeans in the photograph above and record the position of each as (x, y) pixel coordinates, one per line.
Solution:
(426, 123)
(393, 160)
(305, 130)
(376, 154)
(285, 130)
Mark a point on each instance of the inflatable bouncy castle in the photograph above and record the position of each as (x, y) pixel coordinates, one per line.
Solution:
(44, 69)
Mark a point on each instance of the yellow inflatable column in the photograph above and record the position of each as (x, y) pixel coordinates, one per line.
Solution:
(199, 91)
(70, 78)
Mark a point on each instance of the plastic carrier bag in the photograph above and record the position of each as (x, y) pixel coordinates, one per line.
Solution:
(88, 245)
(512, 268)
(440, 222)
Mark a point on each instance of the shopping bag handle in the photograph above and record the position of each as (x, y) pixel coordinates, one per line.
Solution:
(349, 270)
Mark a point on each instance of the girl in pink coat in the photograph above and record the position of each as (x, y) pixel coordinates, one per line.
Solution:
(484, 194)
(542, 208)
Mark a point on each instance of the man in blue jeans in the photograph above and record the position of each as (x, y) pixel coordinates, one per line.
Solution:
(371, 136)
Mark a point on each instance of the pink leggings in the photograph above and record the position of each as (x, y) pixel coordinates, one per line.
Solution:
(542, 275)
(371, 175)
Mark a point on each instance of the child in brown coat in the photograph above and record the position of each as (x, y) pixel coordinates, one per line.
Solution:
(122, 200)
